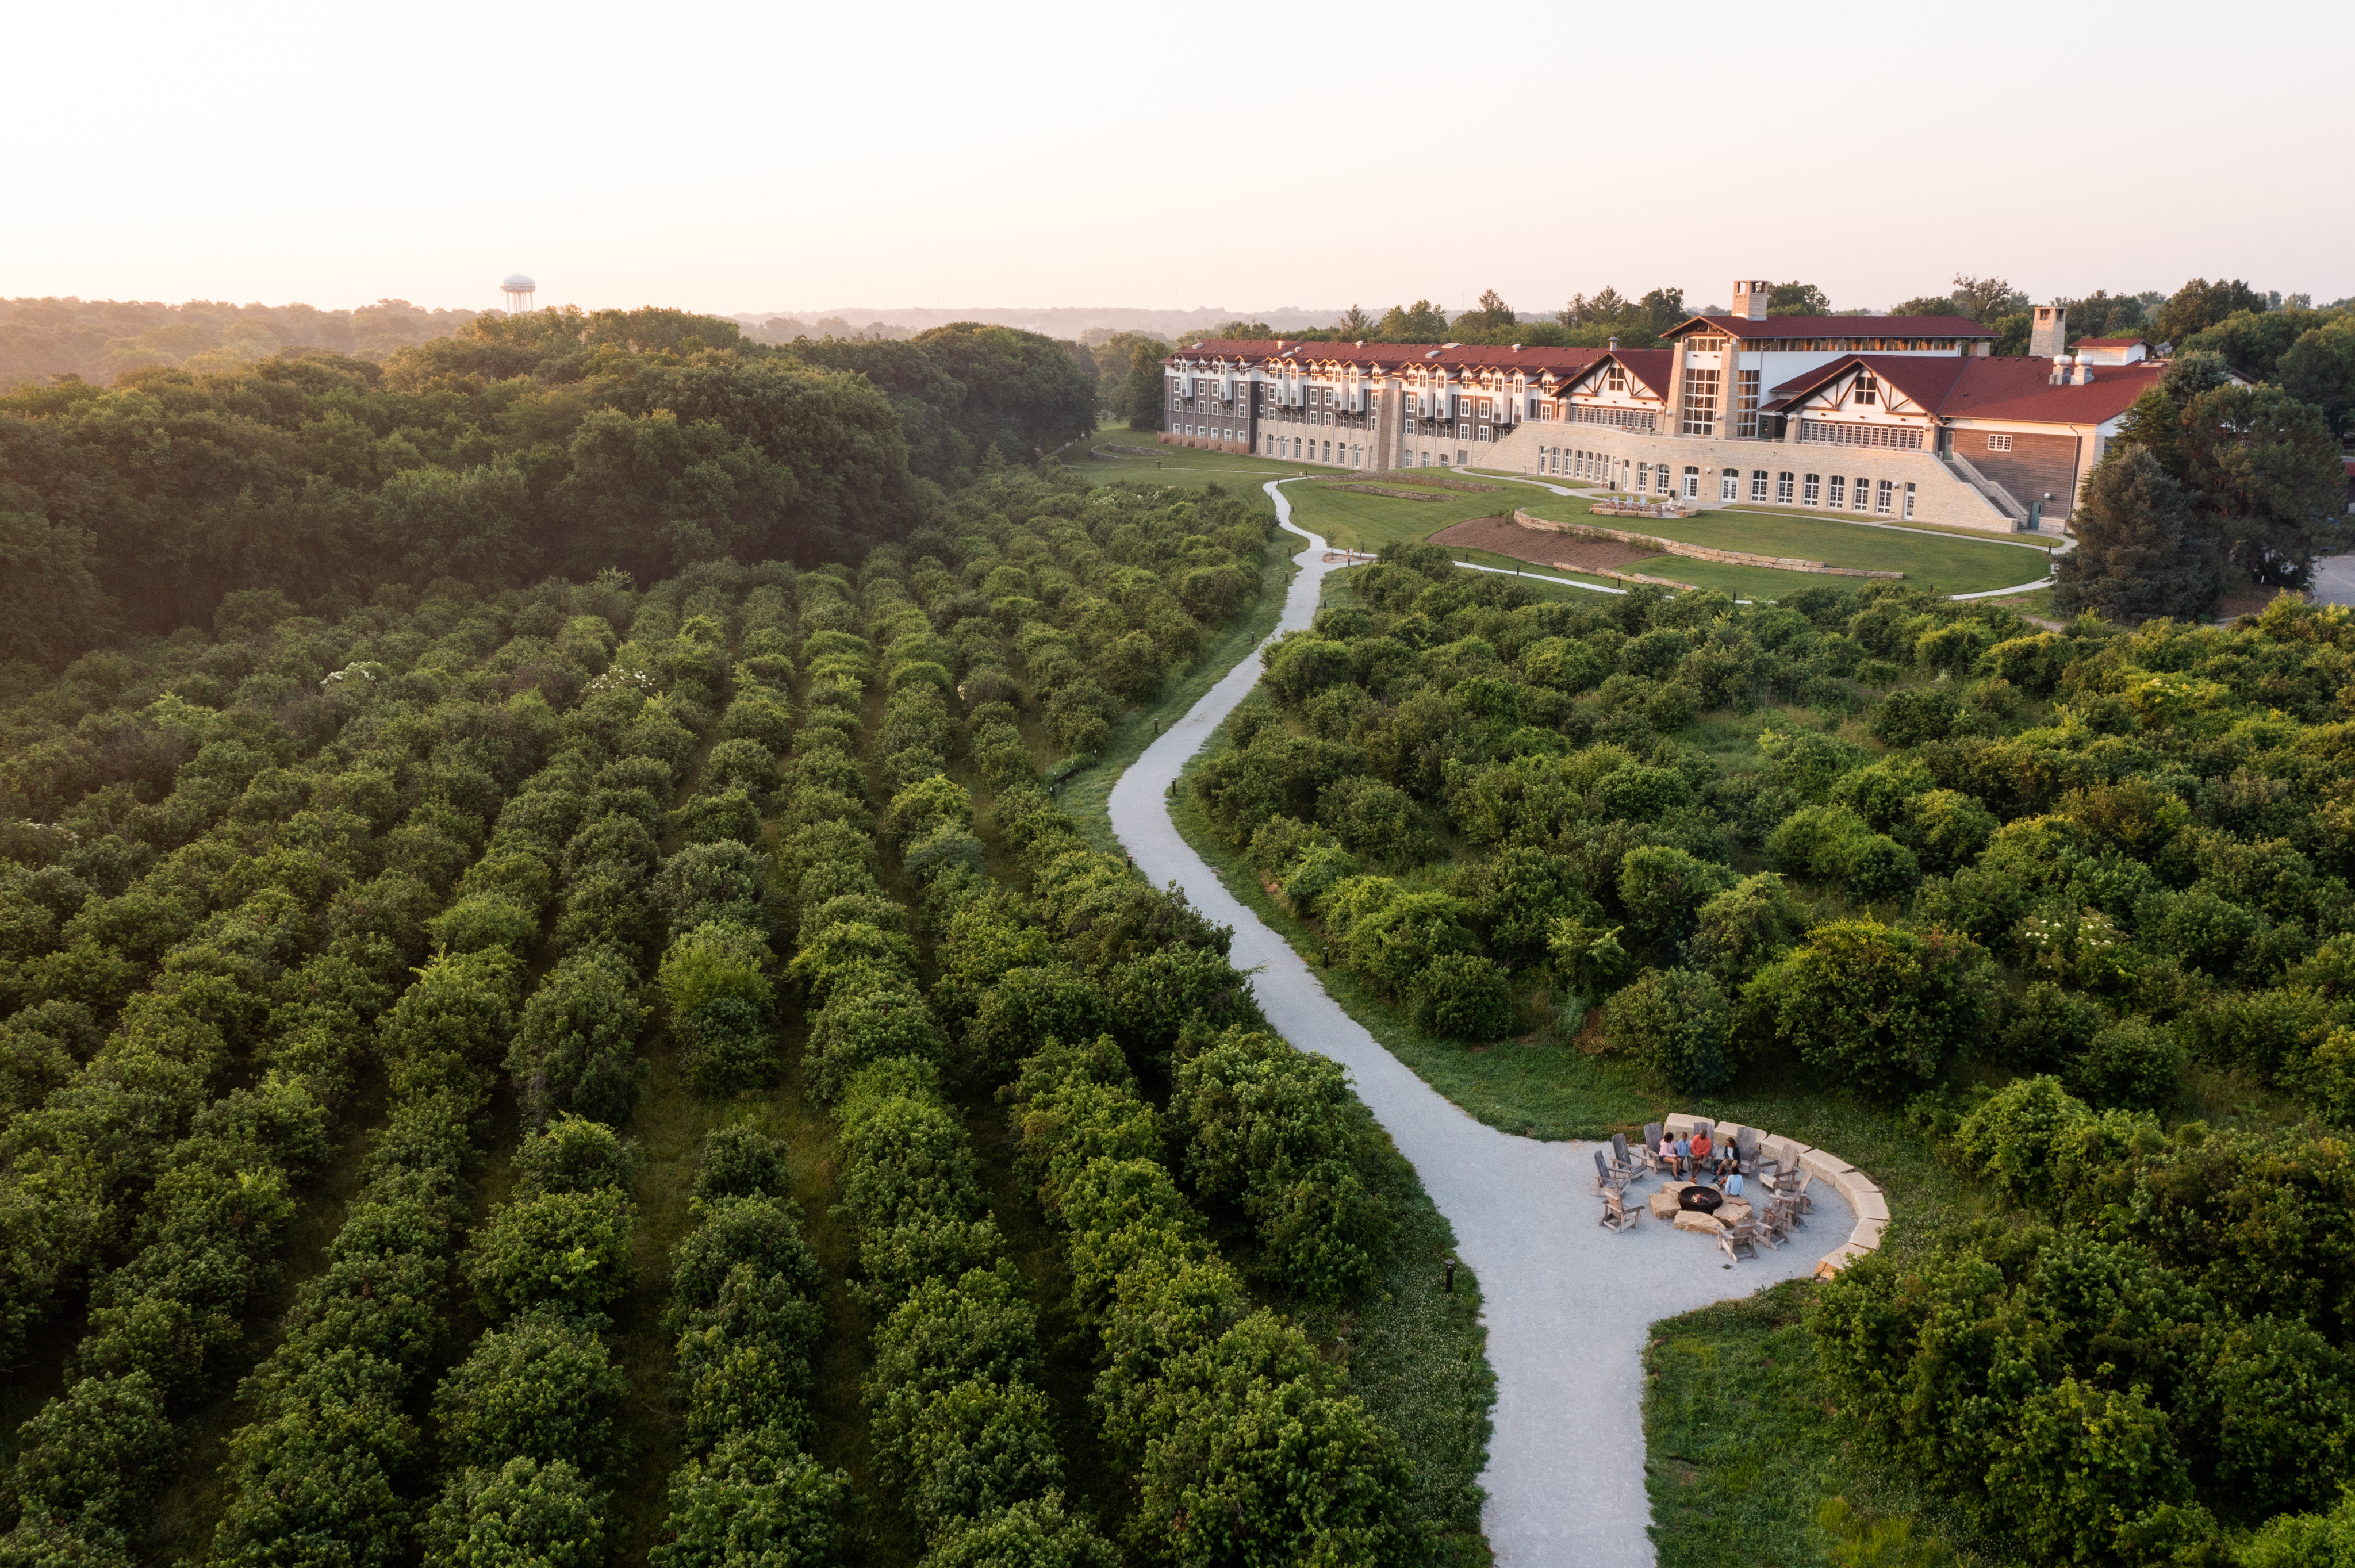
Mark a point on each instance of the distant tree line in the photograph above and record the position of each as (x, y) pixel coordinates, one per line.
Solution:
(517, 447)
(98, 340)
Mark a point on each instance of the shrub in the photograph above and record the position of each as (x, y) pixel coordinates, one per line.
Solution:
(1675, 1023)
(484, 920)
(576, 1048)
(754, 1500)
(2015, 1138)
(1744, 926)
(2132, 1063)
(1661, 887)
(522, 1513)
(723, 959)
(1026, 1008)
(1463, 996)
(705, 883)
(544, 1387)
(1875, 1006)
(860, 1027)
(566, 1250)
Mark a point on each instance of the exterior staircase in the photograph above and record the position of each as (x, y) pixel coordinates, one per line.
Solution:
(1996, 494)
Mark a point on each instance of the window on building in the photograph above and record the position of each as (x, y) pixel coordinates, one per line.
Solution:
(1700, 402)
(1868, 390)
(1909, 500)
(1757, 484)
(1863, 491)
(1883, 495)
(1729, 485)
(1615, 379)
(1999, 443)
(1783, 488)
(1643, 476)
(1838, 497)
(1745, 404)
(1692, 482)
(1813, 493)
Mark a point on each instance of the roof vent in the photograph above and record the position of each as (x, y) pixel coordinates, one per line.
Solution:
(1615, 346)
(1516, 348)
(1450, 346)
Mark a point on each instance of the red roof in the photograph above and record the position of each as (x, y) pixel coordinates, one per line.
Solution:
(1837, 327)
(1969, 388)
(1391, 356)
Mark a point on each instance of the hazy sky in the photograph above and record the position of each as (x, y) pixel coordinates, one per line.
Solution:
(740, 157)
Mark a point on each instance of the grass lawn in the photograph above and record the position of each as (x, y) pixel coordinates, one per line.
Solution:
(1352, 520)
(1093, 459)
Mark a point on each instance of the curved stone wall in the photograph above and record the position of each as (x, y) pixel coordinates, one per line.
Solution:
(1864, 1196)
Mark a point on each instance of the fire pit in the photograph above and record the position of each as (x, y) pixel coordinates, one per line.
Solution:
(1700, 1199)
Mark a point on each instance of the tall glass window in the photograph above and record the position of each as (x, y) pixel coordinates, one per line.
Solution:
(1700, 402)
(1745, 403)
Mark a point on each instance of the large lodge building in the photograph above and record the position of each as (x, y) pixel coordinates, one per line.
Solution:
(1895, 417)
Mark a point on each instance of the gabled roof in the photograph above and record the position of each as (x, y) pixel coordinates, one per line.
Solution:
(1748, 330)
(1391, 358)
(1969, 388)
(1647, 368)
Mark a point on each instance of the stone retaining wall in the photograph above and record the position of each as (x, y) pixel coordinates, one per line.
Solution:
(1864, 1196)
(1696, 552)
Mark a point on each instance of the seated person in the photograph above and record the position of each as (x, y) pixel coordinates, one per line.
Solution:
(1668, 1150)
(1682, 1157)
(1729, 1160)
(1702, 1151)
(1733, 1183)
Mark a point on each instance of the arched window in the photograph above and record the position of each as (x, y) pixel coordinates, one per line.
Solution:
(1692, 483)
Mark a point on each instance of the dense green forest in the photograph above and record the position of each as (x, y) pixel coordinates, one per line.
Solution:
(519, 445)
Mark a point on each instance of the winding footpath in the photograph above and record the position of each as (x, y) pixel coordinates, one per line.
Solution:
(1568, 1304)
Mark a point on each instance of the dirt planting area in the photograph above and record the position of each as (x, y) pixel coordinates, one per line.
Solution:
(1502, 536)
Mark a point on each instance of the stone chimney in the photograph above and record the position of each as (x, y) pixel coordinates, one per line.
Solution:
(1750, 300)
(2051, 337)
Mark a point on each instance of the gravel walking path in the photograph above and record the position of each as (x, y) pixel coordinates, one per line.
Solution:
(1568, 1303)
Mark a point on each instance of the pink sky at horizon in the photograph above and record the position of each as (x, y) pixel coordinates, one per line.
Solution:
(734, 159)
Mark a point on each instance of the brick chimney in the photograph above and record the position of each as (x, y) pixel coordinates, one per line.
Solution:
(2051, 337)
(1750, 300)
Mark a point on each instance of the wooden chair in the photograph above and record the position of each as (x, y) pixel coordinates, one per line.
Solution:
(1652, 1147)
(1623, 1161)
(1745, 1149)
(1616, 1216)
(1607, 1179)
(1739, 1241)
(1797, 1192)
(1773, 1224)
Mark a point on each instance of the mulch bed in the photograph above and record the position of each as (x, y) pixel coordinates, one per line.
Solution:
(1502, 536)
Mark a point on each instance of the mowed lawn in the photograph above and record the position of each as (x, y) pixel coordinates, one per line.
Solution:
(1093, 459)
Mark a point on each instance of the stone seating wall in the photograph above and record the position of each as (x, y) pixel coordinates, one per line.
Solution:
(1864, 1196)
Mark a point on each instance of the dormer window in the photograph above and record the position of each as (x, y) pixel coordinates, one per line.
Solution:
(1868, 390)
(1615, 379)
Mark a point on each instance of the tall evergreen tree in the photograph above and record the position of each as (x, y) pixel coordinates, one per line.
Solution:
(2141, 552)
(1140, 395)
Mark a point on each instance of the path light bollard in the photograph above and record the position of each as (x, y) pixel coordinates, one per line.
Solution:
(1451, 1276)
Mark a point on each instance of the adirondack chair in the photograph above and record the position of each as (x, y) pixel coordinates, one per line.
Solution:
(1773, 1224)
(1797, 1192)
(1606, 1180)
(1623, 1161)
(1616, 1216)
(1652, 1147)
(1739, 1241)
(1745, 1145)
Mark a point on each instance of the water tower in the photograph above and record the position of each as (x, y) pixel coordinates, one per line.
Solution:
(518, 290)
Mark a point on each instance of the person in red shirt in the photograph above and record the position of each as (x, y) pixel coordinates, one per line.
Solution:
(1701, 1148)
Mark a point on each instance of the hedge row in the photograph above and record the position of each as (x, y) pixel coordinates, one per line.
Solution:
(210, 1228)
(327, 1467)
(347, 853)
(1103, 594)
(1244, 1444)
(959, 1424)
(744, 1289)
(515, 1468)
